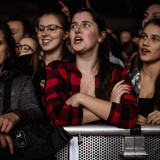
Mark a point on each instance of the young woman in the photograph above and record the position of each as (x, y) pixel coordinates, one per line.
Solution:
(146, 74)
(24, 107)
(87, 88)
(152, 12)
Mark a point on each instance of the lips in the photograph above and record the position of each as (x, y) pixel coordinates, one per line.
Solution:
(77, 40)
(144, 51)
(45, 41)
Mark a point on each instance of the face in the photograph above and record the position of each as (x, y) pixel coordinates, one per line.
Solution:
(50, 39)
(125, 37)
(17, 30)
(27, 46)
(3, 50)
(153, 12)
(149, 45)
(84, 34)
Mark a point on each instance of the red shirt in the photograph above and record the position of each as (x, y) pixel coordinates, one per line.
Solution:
(63, 80)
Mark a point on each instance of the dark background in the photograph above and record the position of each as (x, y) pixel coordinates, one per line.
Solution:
(118, 14)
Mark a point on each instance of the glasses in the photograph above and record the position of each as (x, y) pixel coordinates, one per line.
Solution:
(24, 48)
(50, 28)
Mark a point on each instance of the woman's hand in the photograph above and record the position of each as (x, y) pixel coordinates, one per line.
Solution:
(65, 9)
(118, 90)
(154, 117)
(8, 121)
(141, 120)
(42, 83)
(5, 140)
(74, 100)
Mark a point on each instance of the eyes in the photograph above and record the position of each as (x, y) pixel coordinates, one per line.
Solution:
(153, 37)
(154, 16)
(83, 25)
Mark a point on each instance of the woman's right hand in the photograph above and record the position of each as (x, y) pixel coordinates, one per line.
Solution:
(6, 140)
(118, 90)
(8, 121)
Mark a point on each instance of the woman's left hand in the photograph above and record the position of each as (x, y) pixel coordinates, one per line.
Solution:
(74, 100)
(154, 117)
(141, 120)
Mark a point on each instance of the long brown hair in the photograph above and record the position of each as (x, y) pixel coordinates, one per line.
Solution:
(103, 56)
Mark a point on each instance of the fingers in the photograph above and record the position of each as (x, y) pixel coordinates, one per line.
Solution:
(7, 121)
(6, 126)
(141, 120)
(88, 4)
(119, 83)
(62, 4)
(154, 117)
(121, 89)
(10, 144)
(5, 140)
(42, 83)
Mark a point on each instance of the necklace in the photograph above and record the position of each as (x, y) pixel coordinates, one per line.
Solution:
(149, 75)
(89, 84)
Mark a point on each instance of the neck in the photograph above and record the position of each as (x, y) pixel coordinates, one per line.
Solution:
(87, 64)
(52, 57)
(151, 70)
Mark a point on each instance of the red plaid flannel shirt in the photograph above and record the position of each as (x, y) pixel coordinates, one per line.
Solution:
(63, 80)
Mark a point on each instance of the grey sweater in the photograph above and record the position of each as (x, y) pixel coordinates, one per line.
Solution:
(23, 99)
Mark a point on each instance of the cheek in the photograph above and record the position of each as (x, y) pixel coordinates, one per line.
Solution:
(91, 36)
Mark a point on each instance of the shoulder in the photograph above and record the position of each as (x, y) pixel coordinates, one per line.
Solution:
(21, 80)
(119, 68)
(57, 64)
(68, 64)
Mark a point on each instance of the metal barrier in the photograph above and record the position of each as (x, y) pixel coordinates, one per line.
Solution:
(105, 142)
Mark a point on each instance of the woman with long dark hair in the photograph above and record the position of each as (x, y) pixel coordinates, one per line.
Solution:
(146, 73)
(88, 88)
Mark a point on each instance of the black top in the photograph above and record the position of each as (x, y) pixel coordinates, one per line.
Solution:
(145, 106)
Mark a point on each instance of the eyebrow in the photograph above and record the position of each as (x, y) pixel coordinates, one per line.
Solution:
(152, 34)
(156, 35)
(83, 22)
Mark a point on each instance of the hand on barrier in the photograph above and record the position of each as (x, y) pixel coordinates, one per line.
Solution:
(118, 90)
(5, 140)
(154, 117)
(141, 120)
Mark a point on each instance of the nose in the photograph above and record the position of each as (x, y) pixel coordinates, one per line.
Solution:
(78, 30)
(45, 32)
(146, 42)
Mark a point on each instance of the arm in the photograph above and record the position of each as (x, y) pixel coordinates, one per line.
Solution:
(24, 101)
(56, 95)
(121, 110)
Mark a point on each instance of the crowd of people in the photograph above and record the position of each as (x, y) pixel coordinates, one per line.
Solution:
(72, 70)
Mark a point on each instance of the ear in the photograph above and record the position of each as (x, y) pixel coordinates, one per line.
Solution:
(66, 35)
(102, 36)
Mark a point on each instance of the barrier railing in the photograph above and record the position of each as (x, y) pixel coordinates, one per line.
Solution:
(105, 142)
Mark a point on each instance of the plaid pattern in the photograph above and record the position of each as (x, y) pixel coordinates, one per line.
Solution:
(63, 80)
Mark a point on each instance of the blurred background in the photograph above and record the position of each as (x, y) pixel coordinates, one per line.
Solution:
(118, 14)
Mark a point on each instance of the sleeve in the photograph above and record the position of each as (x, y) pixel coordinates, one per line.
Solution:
(56, 95)
(29, 109)
(123, 115)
